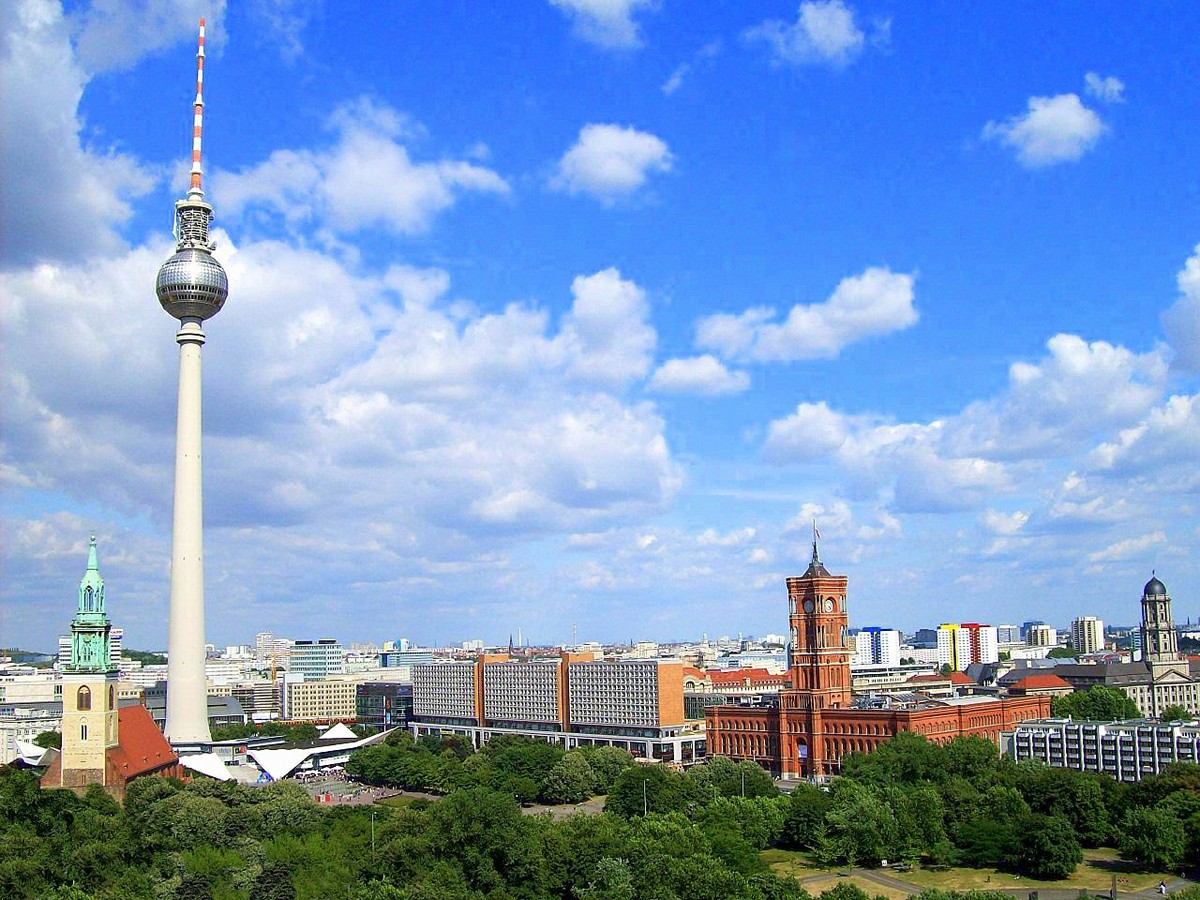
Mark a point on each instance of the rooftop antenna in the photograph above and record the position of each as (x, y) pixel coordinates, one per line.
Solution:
(816, 537)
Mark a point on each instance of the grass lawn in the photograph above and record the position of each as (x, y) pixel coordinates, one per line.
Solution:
(399, 801)
(1094, 874)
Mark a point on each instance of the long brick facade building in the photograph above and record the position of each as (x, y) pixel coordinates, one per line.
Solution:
(816, 720)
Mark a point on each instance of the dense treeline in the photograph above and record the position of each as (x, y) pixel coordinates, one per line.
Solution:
(664, 834)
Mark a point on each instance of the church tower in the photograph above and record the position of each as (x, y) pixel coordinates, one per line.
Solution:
(89, 725)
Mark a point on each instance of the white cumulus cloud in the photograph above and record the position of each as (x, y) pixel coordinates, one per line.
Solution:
(606, 23)
(1052, 130)
(825, 31)
(1108, 88)
(610, 161)
(367, 180)
(1182, 320)
(705, 375)
(876, 302)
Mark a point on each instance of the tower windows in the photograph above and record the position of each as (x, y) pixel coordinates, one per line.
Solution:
(83, 699)
(83, 731)
(112, 693)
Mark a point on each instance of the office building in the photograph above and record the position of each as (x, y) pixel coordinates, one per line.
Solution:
(318, 659)
(383, 704)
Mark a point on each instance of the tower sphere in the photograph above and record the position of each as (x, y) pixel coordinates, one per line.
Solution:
(192, 285)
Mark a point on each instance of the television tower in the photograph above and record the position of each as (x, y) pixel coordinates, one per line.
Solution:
(192, 287)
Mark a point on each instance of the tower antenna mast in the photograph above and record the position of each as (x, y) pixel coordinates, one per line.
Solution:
(195, 191)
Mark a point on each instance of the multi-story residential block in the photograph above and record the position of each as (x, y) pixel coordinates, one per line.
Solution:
(1087, 635)
(25, 721)
(1042, 635)
(875, 646)
(966, 643)
(1128, 751)
(258, 699)
(573, 699)
(317, 659)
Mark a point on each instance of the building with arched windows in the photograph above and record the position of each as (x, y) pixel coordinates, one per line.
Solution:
(816, 721)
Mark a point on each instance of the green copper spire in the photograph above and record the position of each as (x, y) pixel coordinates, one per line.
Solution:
(90, 628)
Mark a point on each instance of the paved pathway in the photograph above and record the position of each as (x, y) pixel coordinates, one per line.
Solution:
(883, 878)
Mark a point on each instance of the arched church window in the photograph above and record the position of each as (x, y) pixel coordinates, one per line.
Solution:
(83, 698)
(112, 693)
(87, 598)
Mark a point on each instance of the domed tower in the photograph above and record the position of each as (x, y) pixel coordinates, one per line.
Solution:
(192, 287)
(1160, 643)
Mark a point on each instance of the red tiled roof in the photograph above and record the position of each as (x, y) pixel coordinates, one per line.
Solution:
(693, 672)
(141, 747)
(960, 678)
(930, 677)
(745, 676)
(1040, 682)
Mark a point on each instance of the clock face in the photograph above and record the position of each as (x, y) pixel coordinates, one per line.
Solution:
(808, 606)
(829, 604)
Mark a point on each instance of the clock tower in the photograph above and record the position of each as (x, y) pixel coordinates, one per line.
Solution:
(820, 658)
(89, 726)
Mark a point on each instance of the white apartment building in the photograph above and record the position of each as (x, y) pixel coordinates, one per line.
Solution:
(616, 693)
(1087, 635)
(1042, 636)
(525, 692)
(1128, 751)
(875, 646)
(445, 691)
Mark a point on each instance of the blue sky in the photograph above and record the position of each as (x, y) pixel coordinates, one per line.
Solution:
(578, 313)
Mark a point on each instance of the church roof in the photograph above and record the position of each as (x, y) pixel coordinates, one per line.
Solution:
(141, 747)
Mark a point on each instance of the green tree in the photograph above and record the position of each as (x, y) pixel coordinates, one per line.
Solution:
(726, 778)
(1079, 797)
(908, 757)
(1097, 704)
(804, 821)
(1045, 848)
(49, 739)
(651, 788)
(860, 827)
(607, 763)
(570, 780)
(1175, 712)
(1153, 838)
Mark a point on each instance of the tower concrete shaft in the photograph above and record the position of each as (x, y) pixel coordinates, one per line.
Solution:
(187, 692)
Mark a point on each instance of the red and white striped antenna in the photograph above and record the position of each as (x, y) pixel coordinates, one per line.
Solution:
(195, 191)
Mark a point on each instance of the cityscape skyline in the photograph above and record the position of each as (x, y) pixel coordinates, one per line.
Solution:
(579, 318)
